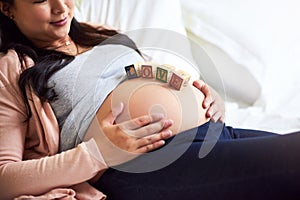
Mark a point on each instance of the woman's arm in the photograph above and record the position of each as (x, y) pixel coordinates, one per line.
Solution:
(31, 139)
(19, 139)
(39, 176)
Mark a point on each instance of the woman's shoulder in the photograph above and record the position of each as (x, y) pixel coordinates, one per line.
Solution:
(8, 57)
(11, 66)
(11, 60)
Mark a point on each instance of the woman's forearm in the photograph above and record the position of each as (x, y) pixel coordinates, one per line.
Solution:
(35, 177)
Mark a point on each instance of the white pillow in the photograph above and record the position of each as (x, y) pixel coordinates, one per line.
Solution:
(128, 15)
(140, 19)
(262, 36)
(210, 24)
(231, 79)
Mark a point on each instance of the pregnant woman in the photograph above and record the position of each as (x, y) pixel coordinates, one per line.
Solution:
(64, 133)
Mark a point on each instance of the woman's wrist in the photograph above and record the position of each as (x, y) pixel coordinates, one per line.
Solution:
(92, 147)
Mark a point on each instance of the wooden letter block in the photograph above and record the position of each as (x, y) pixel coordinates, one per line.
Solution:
(146, 71)
(131, 72)
(176, 81)
(162, 74)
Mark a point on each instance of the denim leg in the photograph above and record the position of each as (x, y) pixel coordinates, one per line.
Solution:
(264, 166)
(246, 133)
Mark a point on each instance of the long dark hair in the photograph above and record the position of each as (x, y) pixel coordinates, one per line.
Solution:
(47, 62)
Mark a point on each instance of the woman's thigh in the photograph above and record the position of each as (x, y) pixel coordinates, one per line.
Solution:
(262, 166)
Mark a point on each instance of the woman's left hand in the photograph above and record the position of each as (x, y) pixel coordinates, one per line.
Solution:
(212, 101)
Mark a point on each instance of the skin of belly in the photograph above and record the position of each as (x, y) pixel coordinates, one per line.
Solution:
(143, 97)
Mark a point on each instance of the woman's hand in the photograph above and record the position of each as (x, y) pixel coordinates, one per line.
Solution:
(212, 101)
(119, 143)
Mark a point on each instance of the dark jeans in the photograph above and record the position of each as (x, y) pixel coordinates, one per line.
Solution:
(243, 164)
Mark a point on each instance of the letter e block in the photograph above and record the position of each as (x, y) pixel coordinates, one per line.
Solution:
(176, 81)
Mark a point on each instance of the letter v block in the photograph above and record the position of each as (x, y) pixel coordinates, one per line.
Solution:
(162, 74)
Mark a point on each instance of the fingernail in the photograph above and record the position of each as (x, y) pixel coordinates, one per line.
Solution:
(169, 122)
(169, 133)
(206, 104)
(209, 113)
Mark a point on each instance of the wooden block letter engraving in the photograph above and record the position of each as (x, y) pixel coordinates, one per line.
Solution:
(176, 81)
(146, 71)
(131, 72)
(162, 74)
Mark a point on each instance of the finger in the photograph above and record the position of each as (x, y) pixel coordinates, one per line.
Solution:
(216, 117)
(154, 138)
(167, 124)
(211, 111)
(154, 141)
(203, 87)
(151, 129)
(214, 109)
(151, 147)
(222, 119)
(208, 100)
(199, 84)
(141, 121)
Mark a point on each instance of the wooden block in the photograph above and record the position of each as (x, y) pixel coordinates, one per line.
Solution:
(162, 74)
(168, 67)
(176, 81)
(185, 76)
(131, 72)
(146, 71)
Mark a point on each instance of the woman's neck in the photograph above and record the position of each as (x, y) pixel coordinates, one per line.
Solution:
(65, 45)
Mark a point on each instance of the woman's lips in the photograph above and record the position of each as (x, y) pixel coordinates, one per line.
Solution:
(60, 22)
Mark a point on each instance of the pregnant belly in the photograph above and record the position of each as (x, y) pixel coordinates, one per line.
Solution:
(146, 96)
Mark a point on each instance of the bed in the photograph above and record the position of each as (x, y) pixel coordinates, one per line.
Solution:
(251, 50)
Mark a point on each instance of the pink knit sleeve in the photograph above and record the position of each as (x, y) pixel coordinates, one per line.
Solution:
(35, 176)
(41, 175)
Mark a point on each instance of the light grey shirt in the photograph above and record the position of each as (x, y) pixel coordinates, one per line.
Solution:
(83, 85)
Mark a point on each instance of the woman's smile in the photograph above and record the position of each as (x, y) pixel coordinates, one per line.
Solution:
(60, 22)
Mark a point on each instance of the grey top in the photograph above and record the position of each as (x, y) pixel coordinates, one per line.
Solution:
(83, 85)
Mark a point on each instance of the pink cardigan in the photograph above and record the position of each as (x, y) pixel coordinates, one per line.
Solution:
(30, 165)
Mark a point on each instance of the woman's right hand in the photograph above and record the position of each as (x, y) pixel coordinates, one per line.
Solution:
(119, 143)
